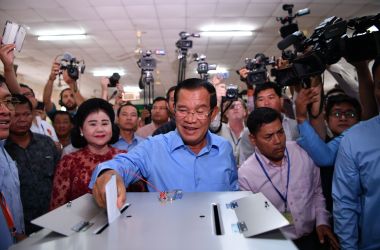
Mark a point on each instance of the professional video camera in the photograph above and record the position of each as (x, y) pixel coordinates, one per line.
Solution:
(362, 45)
(257, 69)
(289, 24)
(147, 64)
(326, 46)
(203, 67)
(114, 79)
(183, 45)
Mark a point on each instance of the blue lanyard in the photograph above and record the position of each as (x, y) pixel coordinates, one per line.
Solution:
(284, 198)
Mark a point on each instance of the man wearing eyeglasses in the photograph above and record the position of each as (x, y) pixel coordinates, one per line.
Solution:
(190, 158)
(9, 180)
(341, 113)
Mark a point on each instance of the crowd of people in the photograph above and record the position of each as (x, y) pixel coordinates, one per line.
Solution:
(316, 157)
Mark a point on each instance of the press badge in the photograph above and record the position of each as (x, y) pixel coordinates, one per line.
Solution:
(288, 216)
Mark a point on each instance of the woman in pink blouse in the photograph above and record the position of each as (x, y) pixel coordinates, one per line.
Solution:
(93, 133)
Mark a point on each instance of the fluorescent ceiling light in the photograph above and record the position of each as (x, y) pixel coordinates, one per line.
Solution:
(226, 33)
(61, 37)
(131, 89)
(108, 72)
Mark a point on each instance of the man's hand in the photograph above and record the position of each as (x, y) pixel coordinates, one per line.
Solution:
(305, 97)
(99, 190)
(243, 72)
(54, 71)
(324, 231)
(7, 54)
(104, 83)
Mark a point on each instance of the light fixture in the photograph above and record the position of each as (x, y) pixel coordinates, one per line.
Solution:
(62, 37)
(131, 89)
(226, 33)
(108, 72)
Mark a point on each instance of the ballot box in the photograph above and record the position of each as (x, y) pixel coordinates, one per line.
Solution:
(208, 220)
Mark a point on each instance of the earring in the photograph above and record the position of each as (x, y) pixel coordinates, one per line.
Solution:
(81, 134)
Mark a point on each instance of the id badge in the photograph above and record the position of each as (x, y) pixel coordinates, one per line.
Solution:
(288, 216)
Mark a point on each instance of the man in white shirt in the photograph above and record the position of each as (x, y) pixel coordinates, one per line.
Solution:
(269, 95)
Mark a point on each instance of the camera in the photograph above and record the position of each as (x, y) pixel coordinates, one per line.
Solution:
(232, 92)
(72, 65)
(203, 67)
(183, 43)
(114, 79)
(147, 62)
(257, 71)
(289, 25)
(328, 43)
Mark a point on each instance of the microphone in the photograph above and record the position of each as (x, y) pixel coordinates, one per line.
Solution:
(289, 40)
(303, 12)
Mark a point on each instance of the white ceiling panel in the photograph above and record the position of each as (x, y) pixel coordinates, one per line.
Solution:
(135, 11)
(260, 9)
(83, 13)
(53, 14)
(230, 9)
(110, 12)
(25, 16)
(172, 10)
(200, 10)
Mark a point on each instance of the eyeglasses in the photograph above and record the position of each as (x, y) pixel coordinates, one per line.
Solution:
(199, 114)
(347, 114)
(159, 108)
(236, 106)
(9, 103)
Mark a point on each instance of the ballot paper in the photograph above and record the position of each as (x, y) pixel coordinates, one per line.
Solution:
(111, 197)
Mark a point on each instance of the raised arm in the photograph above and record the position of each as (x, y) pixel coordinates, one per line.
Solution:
(48, 89)
(366, 86)
(7, 58)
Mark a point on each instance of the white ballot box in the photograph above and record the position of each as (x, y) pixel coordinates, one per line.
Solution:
(211, 220)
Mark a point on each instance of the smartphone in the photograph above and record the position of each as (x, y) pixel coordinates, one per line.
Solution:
(14, 34)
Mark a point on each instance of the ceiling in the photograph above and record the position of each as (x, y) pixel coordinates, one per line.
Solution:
(111, 27)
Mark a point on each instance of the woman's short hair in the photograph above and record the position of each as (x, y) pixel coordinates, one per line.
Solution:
(85, 109)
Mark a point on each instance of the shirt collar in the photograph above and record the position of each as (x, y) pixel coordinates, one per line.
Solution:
(176, 142)
(268, 162)
(134, 139)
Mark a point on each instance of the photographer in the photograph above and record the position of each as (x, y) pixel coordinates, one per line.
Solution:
(70, 98)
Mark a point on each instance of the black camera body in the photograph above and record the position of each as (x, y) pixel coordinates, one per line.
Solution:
(203, 66)
(114, 79)
(184, 44)
(257, 69)
(147, 62)
(72, 65)
(232, 92)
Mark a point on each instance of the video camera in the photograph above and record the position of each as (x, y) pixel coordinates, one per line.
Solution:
(147, 64)
(289, 25)
(203, 67)
(72, 65)
(326, 46)
(257, 70)
(183, 43)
